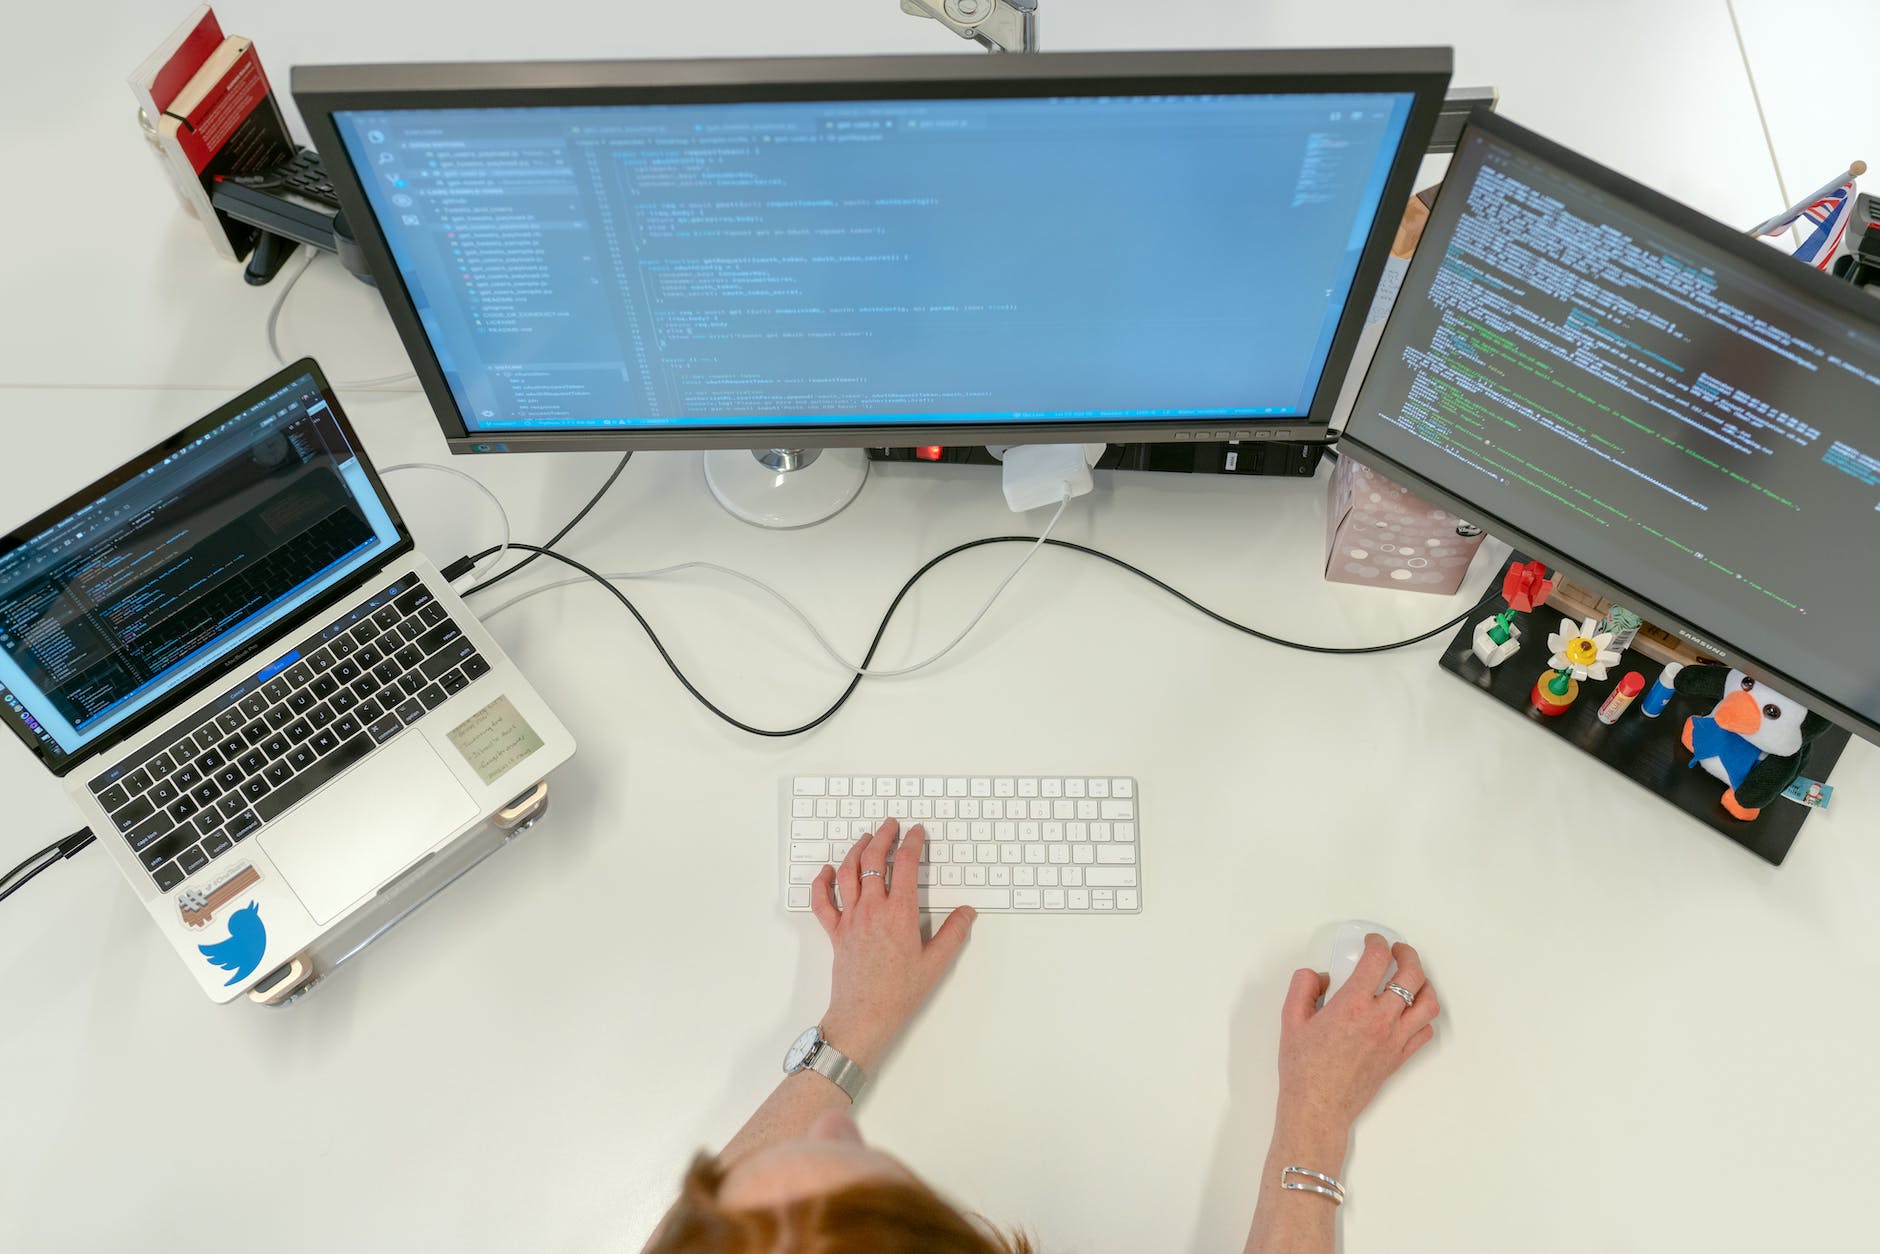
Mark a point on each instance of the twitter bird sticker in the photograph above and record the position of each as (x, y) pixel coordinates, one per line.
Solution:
(241, 952)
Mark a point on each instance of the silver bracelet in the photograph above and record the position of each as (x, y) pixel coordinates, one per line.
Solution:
(1335, 1191)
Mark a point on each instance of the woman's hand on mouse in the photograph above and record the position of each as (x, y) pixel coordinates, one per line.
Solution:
(883, 971)
(1333, 1060)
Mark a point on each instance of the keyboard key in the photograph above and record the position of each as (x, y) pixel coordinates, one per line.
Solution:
(453, 682)
(163, 792)
(942, 897)
(209, 763)
(433, 614)
(324, 686)
(323, 742)
(279, 717)
(343, 700)
(320, 716)
(132, 813)
(243, 825)
(168, 876)
(151, 830)
(303, 785)
(276, 690)
(346, 672)
(408, 657)
(364, 632)
(411, 711)
(160, 766)
(192, 859)
(301, 701)
(113, 797)
(255, 732)
(320, 662)
(1116, 855)
(230, 776)
(254, 705)
(156, 852)
(369, 712)
(183, 810)
(366, 686)
(278, 773)
(385, 728)
(298, 674)
(346, 728)
(205, 792)
(208, 822)
(217, 845)
(256, 788)
(302, 757)
(386, 672)
(137, 781)
(231, 804)
(439, 636)
(230, 721)
(387, 617)
(1127, 899)
(299, 730)
(1110, 877)
(412, 684)
(447, 658)
(343, 646)
(415, 600)
(253, 761)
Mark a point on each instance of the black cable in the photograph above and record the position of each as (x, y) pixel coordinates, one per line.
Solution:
(880, 631)
(555, 539)
(57, 851)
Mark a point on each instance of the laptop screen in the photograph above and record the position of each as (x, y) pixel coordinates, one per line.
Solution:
(153, 575)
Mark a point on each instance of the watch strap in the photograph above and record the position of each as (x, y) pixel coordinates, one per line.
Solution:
(838, 1068)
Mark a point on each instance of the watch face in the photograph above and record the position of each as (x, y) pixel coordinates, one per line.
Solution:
(801, 1049)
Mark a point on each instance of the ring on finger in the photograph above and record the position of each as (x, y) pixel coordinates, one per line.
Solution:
(884, 878)
(1409, 998)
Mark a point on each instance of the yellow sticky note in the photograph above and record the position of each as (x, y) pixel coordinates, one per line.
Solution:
(494, 739)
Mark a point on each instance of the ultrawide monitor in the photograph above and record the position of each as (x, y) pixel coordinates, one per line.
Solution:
(1673, 412)
(883, 250)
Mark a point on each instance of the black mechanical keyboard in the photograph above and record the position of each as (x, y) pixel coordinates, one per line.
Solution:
(292, 726)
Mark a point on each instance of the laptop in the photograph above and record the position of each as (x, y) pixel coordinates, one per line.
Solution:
(267, 704)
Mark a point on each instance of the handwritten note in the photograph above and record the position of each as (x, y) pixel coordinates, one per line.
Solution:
(494, 739)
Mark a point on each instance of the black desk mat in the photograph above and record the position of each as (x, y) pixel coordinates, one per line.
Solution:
(1647, 751)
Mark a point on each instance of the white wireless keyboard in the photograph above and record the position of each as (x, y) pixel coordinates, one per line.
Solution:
(1018, 844)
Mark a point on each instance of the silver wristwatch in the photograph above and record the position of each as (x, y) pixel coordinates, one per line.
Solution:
(810, 1052)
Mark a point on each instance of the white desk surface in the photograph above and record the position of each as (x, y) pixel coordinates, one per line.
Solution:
(1651, 1040)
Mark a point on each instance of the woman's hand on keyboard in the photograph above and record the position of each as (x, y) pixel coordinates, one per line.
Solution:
(883, 972)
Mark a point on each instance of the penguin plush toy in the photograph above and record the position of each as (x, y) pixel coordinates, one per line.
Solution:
(1754, 739)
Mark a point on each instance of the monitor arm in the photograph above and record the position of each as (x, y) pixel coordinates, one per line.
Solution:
(1001, 25)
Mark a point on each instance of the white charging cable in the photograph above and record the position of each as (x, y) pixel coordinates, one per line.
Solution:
(273, 329)
(801, 616)
(502, 549)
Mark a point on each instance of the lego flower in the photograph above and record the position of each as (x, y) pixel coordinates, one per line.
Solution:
(1582, 650)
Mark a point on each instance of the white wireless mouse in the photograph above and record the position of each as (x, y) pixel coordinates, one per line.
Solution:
(1348, 947)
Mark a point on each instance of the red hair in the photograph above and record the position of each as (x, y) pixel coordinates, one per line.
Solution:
(867, 1218)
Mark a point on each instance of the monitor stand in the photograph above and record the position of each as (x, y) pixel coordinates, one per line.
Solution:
(785, 487)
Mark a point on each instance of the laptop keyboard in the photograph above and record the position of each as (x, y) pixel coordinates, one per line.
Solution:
(288, 729)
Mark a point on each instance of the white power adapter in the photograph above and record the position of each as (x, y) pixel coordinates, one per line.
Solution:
(1037, 475)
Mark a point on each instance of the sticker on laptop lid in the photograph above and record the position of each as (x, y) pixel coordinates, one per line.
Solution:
(494, 739)
(241, 951)
(199, 902)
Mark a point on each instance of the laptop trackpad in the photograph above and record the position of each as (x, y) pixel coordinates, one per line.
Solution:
(367, 826)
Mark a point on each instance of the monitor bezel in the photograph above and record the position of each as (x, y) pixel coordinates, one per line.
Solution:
(57, 760)
(322, 91)
(1804, 280)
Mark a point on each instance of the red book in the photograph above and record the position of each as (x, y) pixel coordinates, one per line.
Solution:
(224, 120)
